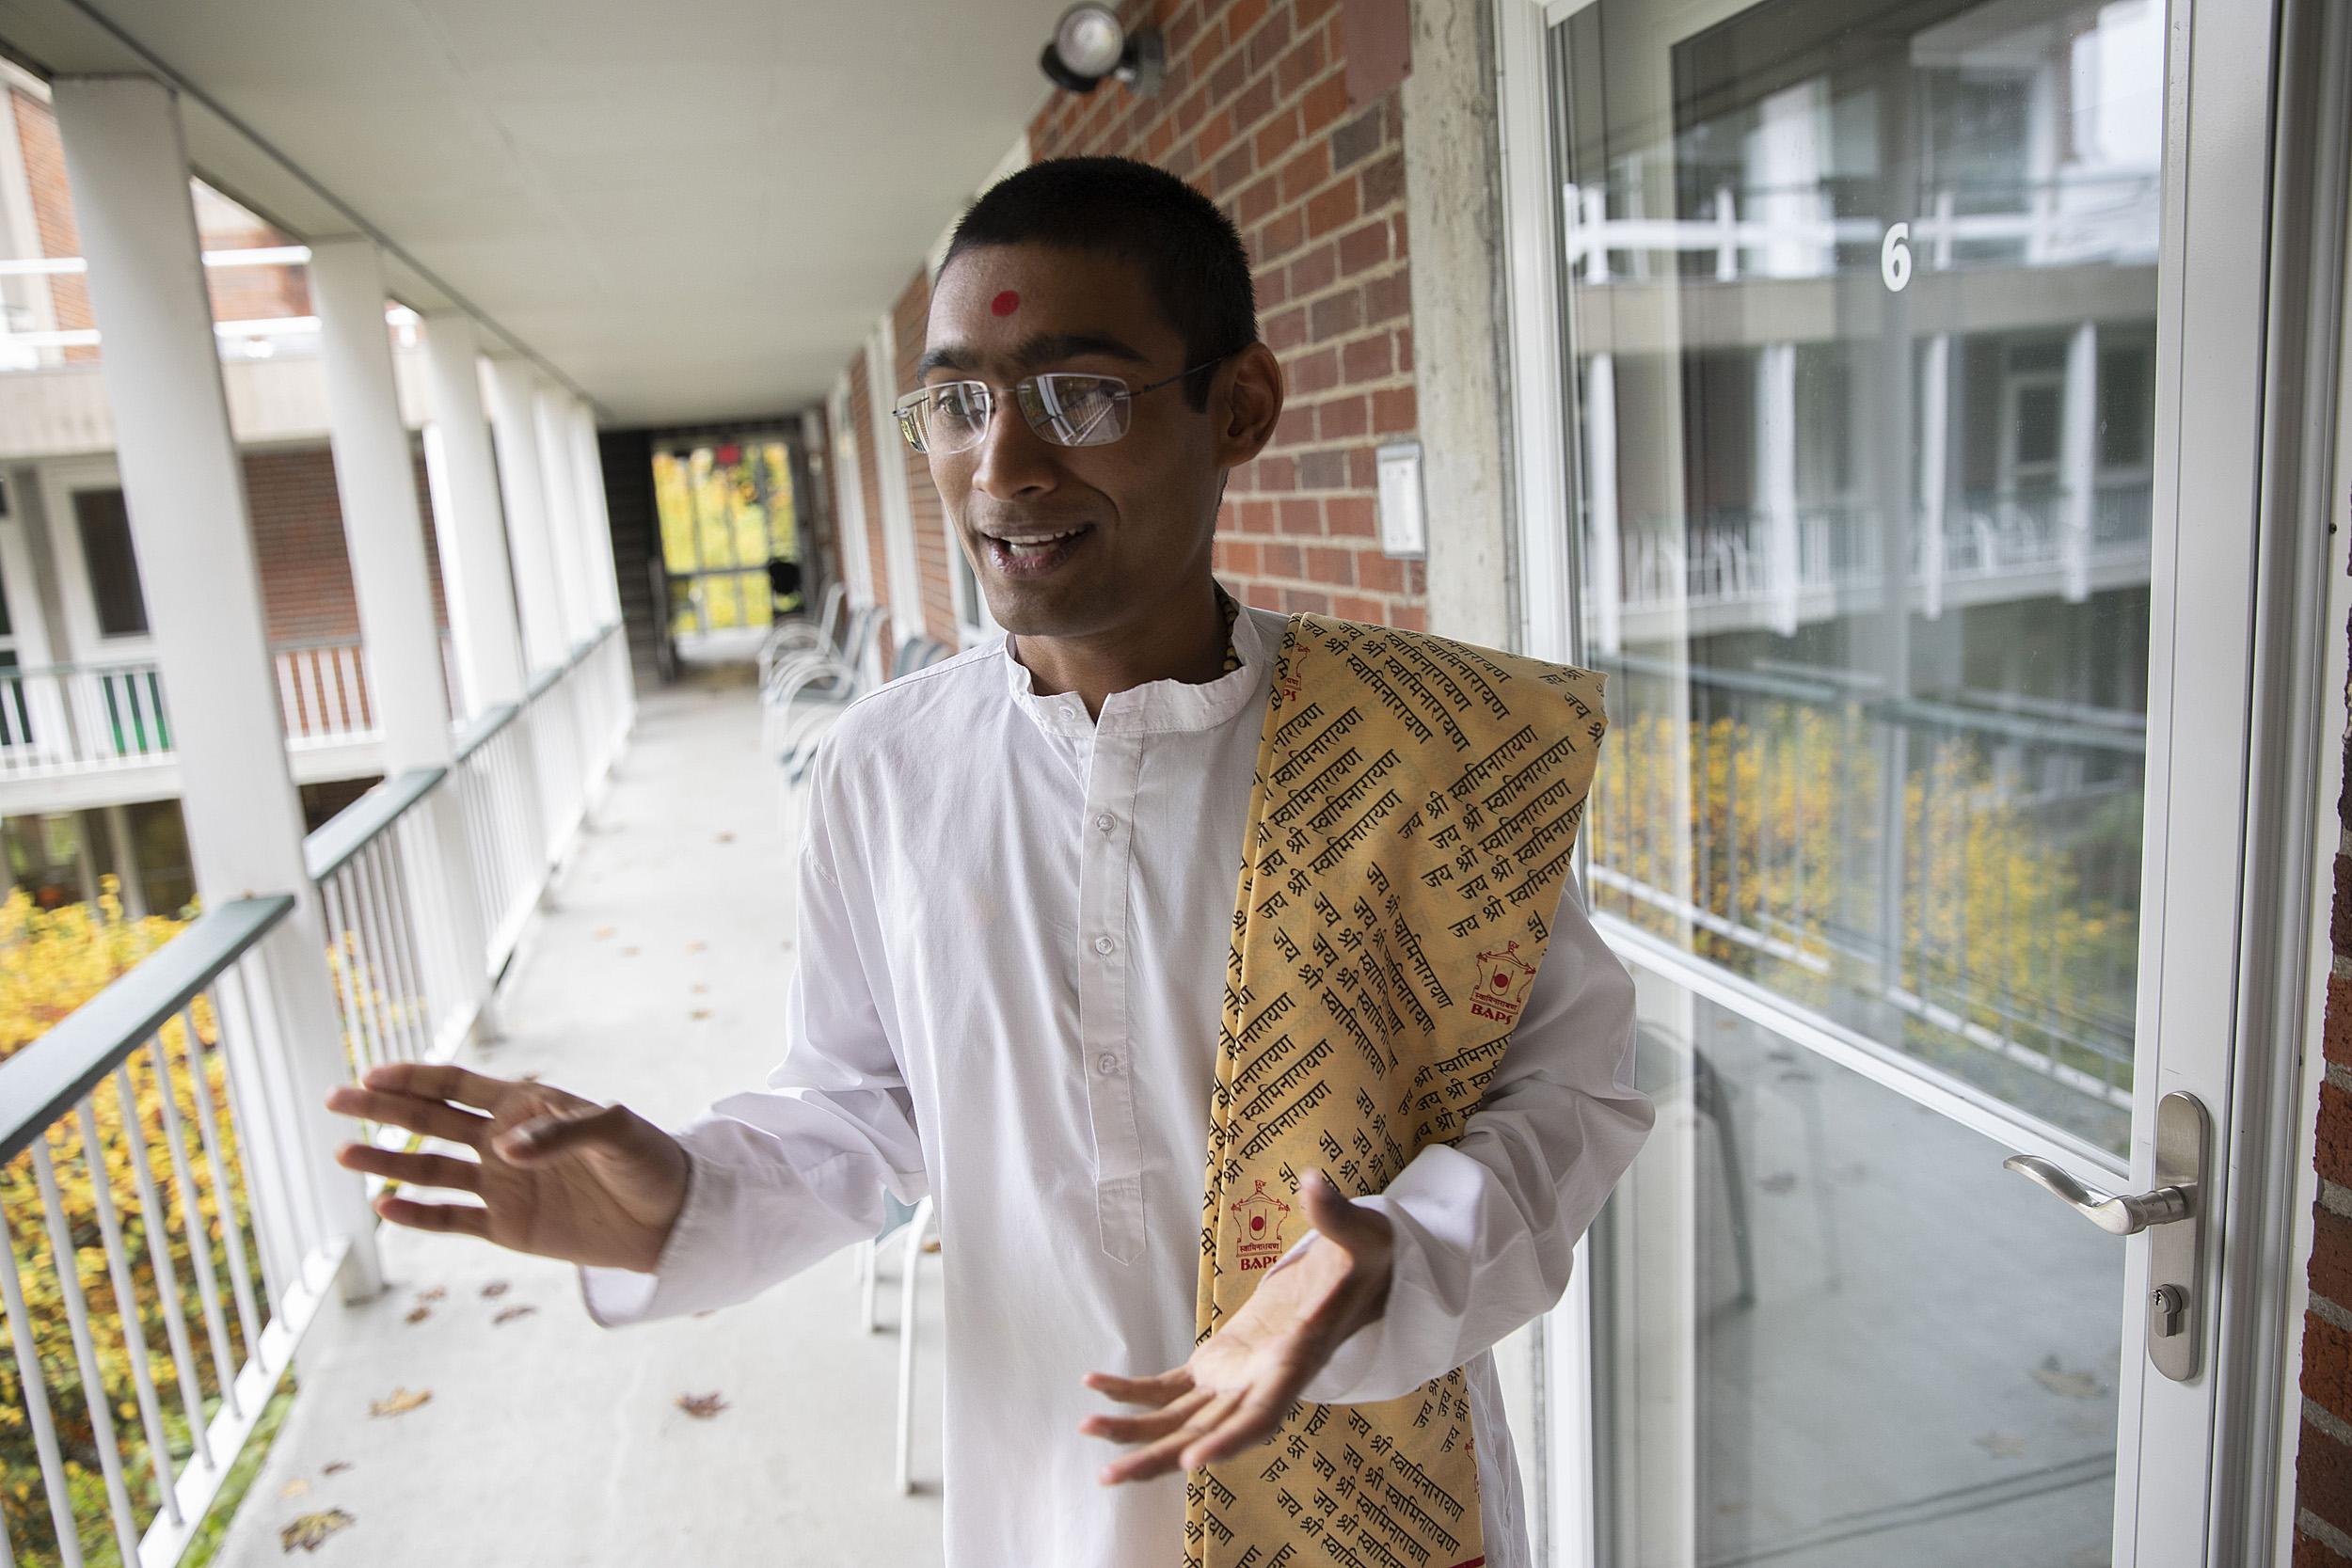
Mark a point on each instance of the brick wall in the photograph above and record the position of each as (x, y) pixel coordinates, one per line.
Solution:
(52, 211)
(2323, 1471)
(931, 544)
(1264, 112)
(868, 479)
(298, 525)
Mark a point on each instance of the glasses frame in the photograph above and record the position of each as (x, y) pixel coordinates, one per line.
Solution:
(1025, 395)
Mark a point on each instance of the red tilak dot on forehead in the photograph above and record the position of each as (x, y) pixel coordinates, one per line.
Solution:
(1004, 304)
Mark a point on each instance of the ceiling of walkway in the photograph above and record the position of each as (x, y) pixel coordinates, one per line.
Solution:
(689, 210)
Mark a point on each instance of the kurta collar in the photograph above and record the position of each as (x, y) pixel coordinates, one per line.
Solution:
(1157, 706)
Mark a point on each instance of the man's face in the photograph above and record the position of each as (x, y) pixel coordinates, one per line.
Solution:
(1072, 541)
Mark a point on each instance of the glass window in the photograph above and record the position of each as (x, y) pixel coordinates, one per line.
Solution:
(104, 522)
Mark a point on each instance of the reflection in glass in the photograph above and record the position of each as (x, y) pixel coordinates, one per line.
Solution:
(1808, 1358)
(1861, 327)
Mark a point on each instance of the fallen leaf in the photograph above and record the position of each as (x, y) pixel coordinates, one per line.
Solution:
(727, 838)
(2000, 1445)
(335, 1466)
(310, 1531)
(420, 1314)
(694, 946)
(701, 1012)
(495, 1289)
(433, 1294)
(2073, 1386)
(511, 1314)
(604, 932)
(294, 1488)
(629, 952)
(701, 990)
(701, 1406)
(401, 1403)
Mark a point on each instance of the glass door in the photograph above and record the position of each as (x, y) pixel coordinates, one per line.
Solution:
(1857, 316)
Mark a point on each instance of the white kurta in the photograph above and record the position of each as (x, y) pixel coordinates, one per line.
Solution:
(1013, 926)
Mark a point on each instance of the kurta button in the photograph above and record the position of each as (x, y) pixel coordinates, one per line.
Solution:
(1107, 822)
(1104, 944)
(1107, 1062)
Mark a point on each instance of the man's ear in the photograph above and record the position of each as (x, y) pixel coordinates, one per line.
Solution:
(1248, 406)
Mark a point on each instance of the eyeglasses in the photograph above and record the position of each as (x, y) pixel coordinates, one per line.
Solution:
(1064, 407)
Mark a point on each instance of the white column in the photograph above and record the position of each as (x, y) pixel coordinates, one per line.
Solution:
(1776, 479)
(513, 395)
(2078, 461)
(466, 521)
(185, 490)
(561, 477)
(1935, 433)
(604, 588)
(1605, 583)
(890, 469)
(377, 484)
(849, 490)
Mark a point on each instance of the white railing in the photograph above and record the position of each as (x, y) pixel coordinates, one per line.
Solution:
(1727, 558)
(410, 986)
(168, 1099)
(171, 1099)
(322, 693)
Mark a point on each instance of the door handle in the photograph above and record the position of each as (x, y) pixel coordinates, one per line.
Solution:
(2117, 1213)
(2173, 1211)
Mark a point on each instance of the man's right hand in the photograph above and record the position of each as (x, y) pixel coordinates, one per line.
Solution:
(559, 1175)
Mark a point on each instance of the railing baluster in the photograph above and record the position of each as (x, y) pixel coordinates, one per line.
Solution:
(96, 1403)
(130, 1320)
(249, 1318)
(192, 1222)
(35, 1385)
(157, 1225)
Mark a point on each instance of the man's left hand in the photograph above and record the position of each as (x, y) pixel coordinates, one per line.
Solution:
(1241, 1382)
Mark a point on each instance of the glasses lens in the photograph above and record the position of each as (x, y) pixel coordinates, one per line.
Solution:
(1076, 410)
(953, 416)
(909, 416)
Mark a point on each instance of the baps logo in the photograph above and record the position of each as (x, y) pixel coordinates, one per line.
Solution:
(1502, 981)
(1261, 1215)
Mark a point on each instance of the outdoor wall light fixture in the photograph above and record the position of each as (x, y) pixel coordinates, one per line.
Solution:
(1090, 44)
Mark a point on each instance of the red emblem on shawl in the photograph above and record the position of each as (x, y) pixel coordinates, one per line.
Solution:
(1261, 1217)
(1502, 982)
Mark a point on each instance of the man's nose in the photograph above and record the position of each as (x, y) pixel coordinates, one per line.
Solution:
(1012, 459)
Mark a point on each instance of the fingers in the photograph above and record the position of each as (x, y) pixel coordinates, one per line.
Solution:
(543, 1137)
(1250, 1421)
(1329, 1210)
(1145, 1429)
(431, 1118)
(1155, 1391)
(414, 1170)
(463, 1219)
(1166, 1454)
(424, 1081)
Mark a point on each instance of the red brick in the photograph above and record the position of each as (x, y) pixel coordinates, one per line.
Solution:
(1270, 284)
(1281, 560)
(1325, 103)
(1404, 351)
(1215, 133)
(1232, 170)
(1388, 298)
(1354, 515)
(1314, 373)
(1308, 168)
(1344, 418)
(1265, 45)
(2323, 1466)
(1363, 247)
(1286, 330)
(1302, 601)
(1384, 181)
(1284, 234)
(1336, 567)
(1227, 78)
(1393, 410)
(1262, 596)
(1242, 16)
(1302, 65)
(2334, 1157)
(1322, 470)
(1396, 239)
(2310, 1552)
(1409, 617)
(1277, 136)
(1303, 515)
(1305, 12)
(1277, 473)
(1335, 315)
(1363, 469)
(1255, 103)
(1192, 111)
(1347, 607)
(1261, 198)
(1330, 210)
(1241, 559)
(1295, 426)
(1316, 270)
(2331, 1257)
(1378, 574)
(1256, 517)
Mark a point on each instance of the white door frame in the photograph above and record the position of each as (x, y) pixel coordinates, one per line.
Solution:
(78, 642)
(2237, 633)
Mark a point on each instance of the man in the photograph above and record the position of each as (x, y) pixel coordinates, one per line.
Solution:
(1018, 928)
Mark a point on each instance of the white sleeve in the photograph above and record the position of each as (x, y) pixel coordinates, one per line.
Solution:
(1487, 1230)
(786, 1176)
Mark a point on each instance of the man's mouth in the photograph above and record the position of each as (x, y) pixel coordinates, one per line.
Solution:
(1027, 553)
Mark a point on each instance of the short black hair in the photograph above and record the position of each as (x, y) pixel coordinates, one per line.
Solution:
(1189, 252)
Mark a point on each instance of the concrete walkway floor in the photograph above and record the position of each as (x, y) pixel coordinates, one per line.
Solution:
(657, 977)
